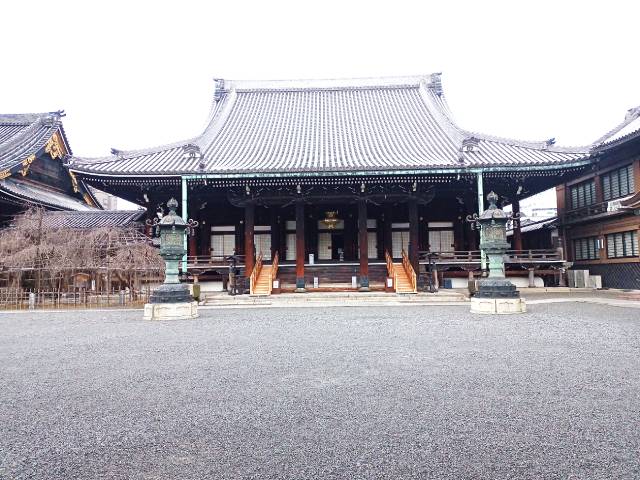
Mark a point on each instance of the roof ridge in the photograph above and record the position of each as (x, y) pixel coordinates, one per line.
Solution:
(547, 145)
(30, 130)
(632, 115)
(442, 107)
(27, 118)
(326, 83)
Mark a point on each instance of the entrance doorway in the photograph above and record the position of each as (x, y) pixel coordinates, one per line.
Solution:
(337, 245)
(330, 245)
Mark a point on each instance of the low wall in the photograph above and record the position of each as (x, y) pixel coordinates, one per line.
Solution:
(615, 275)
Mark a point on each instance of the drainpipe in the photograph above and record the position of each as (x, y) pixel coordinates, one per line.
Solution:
(185, 217)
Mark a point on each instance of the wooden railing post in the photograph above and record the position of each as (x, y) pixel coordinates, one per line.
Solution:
(274, 271)
(390, 269)
(255, 274)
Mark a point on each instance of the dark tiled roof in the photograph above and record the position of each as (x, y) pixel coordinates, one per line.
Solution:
(329, 126)
(532, 226)
(92, 219)
(17, 190)
(23, 135)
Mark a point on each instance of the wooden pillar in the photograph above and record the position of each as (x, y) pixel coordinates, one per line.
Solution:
(517, 232)
(205, 238)
(386, 234)
(413, 234)
(363, 240)
(249, 248)
(275, 231)
(192, 248)
(300, 244)
(597, 183)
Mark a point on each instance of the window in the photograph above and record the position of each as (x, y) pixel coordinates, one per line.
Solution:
(623, 244)
(618, 183)
(223, 245)
(399, 242)
(586, 248)
(291, 246)
(262, 244)
(441, 238)
(583, 194)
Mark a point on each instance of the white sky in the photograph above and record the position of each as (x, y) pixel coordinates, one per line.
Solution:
(136, 74)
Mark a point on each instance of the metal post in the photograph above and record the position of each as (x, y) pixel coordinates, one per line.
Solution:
(483, 258)
(185, 217)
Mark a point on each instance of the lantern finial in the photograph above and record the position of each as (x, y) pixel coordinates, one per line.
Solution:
(493, 200)
(172, 204)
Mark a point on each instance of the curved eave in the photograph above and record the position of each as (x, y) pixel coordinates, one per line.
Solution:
(34, 195)
(355, 173)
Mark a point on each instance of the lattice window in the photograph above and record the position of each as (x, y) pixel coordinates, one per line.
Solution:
(623, 244)
(583, 194)
(324, 246)
(618, 183)
(441, 240)
(262, 243)
(223, 244)
(291, 246)
(399, 242)
(372, 244)
(586, 248)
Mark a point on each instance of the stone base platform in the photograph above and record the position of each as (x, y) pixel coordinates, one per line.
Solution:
(171, 311)
(499, 306)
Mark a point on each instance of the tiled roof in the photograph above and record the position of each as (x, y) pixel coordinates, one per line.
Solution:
(19, 191)
(627, 130)
(23, 135)
(92, 219)
(532, 226)
(329, 126)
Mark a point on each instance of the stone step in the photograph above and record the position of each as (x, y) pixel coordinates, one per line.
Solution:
(293, 299)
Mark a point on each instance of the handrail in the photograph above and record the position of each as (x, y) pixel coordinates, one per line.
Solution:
(473, 256)
(255, 274)
(274, 271)
(391, 272)
(411, 273)
(216, 260)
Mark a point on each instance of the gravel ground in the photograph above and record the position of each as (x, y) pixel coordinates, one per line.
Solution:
(397, 392)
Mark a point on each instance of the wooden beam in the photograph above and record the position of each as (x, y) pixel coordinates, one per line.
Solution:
(300, 250)
(413, 235)
(386, 234)
(364, 245)
(275, 231)
(249, 248)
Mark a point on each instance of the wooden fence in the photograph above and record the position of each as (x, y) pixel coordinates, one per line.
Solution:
(20, 299)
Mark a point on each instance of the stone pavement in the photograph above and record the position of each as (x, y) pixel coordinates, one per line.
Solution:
(289, 393)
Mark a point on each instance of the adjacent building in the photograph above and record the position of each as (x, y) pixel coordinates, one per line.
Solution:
(33, 148)
(599, 210)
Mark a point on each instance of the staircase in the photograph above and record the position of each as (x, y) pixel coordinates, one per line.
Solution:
(404, 277)
(261, 280)
(336, 276)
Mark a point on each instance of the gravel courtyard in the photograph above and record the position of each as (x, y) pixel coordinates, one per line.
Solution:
(298, 393)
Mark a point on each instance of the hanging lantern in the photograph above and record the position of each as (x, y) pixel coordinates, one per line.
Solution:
(331, 219)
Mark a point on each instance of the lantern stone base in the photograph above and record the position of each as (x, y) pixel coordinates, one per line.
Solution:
(498, 306)
(171, 311)
(171, 293)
